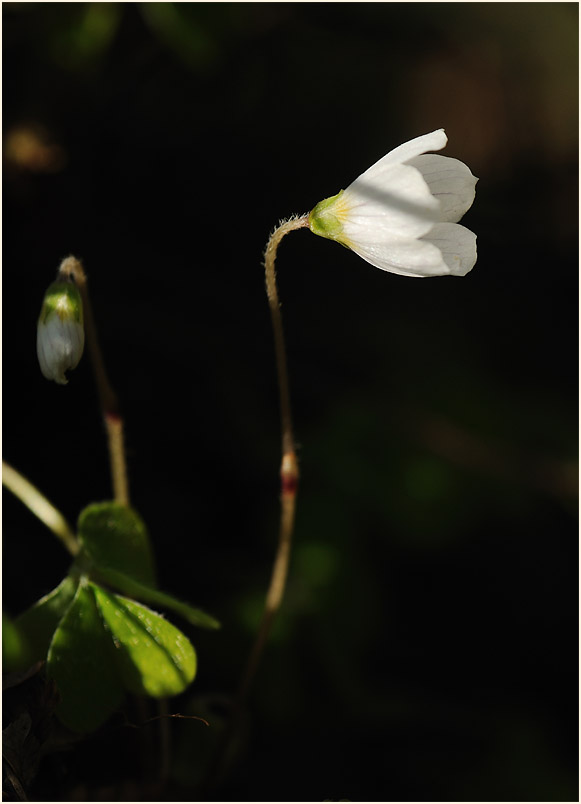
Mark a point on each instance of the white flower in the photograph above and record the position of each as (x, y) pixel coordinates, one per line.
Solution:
(60, 336)
(402, 214)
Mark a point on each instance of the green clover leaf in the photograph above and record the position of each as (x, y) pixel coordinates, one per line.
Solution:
(152, 656)
(81, 660)
(115, 536)
(98, 645)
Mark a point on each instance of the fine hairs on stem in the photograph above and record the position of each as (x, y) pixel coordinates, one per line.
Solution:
(289, 472)
(71, 269)
(289, 477)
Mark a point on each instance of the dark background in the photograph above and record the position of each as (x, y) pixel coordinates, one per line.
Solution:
(427, 646)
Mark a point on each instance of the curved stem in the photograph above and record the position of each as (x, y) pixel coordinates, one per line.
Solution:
(282, 229)
(72, 269)
(289, 477)
(36, 502)
(289, 472)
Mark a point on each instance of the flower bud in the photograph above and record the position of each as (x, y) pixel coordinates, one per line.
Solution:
(60, 336)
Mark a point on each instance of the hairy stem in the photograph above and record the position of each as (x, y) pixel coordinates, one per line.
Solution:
(289, 477)
(274, 304)
(289, 472)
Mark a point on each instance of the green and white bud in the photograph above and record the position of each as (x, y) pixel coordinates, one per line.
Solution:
(60, 335)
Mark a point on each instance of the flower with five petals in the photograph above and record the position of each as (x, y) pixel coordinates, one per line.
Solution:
(402, 214)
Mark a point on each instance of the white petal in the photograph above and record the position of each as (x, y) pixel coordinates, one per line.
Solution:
(59, 347)
(403, 153)
(457, 245)
(449, 180)
(410, 258)
(395, 202)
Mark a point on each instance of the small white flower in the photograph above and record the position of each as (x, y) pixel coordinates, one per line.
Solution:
(60, 336)
(402, 214)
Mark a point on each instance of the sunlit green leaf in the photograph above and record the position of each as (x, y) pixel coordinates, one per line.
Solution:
(143, 592)
(153, 656)
(81, 660)
(38, 623)
(115, 536)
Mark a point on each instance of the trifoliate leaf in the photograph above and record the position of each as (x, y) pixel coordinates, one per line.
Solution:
(38, 623)
(153, 657)
(81, 660)
(115, 536)
(143, 592)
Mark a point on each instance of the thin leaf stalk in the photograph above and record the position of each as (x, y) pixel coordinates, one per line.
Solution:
(36, 502)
